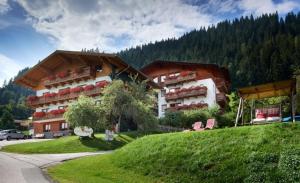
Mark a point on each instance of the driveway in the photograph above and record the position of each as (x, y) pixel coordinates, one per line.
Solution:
(21, 168)
(11, 142)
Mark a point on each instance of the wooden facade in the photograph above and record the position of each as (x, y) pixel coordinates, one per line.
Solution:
(188, 76)
(61, 77)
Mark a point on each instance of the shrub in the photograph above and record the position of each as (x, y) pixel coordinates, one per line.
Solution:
(226, 119)
(175, 119)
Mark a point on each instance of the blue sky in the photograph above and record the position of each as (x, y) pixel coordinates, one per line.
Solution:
(32, 29)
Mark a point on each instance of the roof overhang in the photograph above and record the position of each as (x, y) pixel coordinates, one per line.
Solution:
(45, 67)
(275, 89)
(160, 63)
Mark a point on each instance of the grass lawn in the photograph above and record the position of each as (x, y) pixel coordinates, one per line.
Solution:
(96, 169)
(265, 153)
(72, 144)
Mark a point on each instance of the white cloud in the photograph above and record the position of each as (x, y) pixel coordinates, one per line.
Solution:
(9, 68)
(267, 6)
(4, 6)
(112, 25)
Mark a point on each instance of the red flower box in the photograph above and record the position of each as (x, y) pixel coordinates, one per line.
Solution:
(76, 89)
(63, 74)
(64, 91)
(102, 84)
(39, 114)
(184, 73)
(57, 111)
(32, 98)
(89, 87)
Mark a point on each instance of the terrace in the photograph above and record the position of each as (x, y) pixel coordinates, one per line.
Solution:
(221, 98)
(69, 77)
(183, 77)
(66, 94)
(187, 107)
(54, 114)
(187, 92)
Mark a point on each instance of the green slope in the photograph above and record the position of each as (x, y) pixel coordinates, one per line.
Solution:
(268, 153)
(72, 144)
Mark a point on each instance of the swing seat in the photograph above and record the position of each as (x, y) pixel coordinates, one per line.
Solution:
(270, 114)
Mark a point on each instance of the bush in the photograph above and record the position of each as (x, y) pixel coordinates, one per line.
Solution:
(226, 119)
(185, 119)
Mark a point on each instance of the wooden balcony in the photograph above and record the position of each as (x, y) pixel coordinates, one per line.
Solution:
(180, 79)
(48, 116)
(186, 94)
(188, 107)
(221, 98)
(86, 73)
(221, 85)
(40, 101)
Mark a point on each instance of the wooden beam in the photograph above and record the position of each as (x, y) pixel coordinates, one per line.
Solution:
(46, 70)
(251, 111)
(30, 81)
(238, 113)
(64, 58)
(83, 60)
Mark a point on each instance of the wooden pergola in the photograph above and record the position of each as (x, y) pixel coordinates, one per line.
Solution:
(275, 89)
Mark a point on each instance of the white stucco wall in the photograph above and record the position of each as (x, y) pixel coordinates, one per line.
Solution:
(210, 98)
(56, 89)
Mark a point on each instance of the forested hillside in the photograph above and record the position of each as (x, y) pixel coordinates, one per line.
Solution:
(12, 102)
(255, 50)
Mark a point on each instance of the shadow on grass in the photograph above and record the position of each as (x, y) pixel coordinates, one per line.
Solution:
(100, 144)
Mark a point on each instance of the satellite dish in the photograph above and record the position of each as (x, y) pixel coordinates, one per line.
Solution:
(83, 131)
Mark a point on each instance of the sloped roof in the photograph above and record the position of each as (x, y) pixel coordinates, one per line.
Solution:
(279, 88)
(158, 63)
(44, 67)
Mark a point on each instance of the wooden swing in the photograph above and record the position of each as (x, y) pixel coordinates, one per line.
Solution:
(270, 113)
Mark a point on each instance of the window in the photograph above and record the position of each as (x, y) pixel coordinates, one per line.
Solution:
(45, 93)
(45, 110)
(163, 78)
(64, 126)
(163, 107)
(98, 68)
(155, 80)
(163, 93)
(62, 107)
(47, 127)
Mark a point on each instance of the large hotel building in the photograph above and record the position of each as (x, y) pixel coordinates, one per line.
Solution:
(61, 77)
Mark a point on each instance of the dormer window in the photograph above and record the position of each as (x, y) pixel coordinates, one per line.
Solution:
(98, 68)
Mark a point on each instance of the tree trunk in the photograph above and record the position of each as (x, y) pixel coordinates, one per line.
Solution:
(119, 124)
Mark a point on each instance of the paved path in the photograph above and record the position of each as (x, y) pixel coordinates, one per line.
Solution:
(21, 168)
(11, 142)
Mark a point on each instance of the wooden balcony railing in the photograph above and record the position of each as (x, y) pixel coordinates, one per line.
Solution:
(188, 107)
(221, 84)
(179, 79)
(187, 93)
(40, 101)
(47, 116)
(221, 98)
(73, 76)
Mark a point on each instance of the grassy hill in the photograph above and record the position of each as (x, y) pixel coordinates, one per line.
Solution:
(267, 153)
(73, 144)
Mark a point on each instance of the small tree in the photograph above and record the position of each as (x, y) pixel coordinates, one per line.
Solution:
(7, 120)
(127, 100)
(84, 112)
